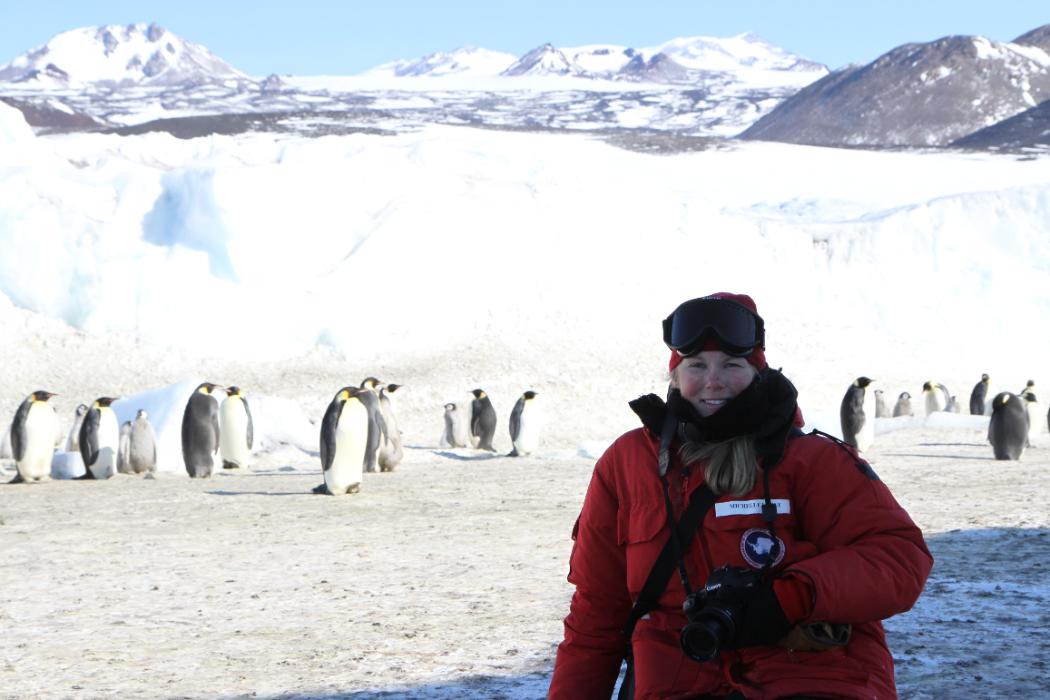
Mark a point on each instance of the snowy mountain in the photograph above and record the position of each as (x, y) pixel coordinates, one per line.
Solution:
(136, 54)
(141, 78)
(678, 61)
(466, 60)
(543, 60)
(916, 95)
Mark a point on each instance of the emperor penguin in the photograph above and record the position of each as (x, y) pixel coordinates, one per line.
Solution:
(1008, 426)
(376, 428)
(903, 405)
(142, 448)
(391, 451)
(857, 414)
(34, 431)
(881, 409)
(124, 451)
(1033, 410)
(344, 441)
(978, 396)
(100, 439)
(935, 397)
(73, 439)
(200, 431)
(483, 420)
(524, 425)
(457, 425)
(236, 432)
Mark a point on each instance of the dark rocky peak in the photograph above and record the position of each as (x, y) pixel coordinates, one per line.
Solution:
(1038, 37)
(915, 95)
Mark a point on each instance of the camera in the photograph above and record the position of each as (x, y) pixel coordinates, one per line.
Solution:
(714, 611)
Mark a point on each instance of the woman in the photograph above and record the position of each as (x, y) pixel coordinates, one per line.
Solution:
(798, 549)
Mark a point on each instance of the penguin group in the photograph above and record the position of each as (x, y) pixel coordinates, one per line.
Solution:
(473, 423)
(359, 433)
(105, 447)
(1014, 419)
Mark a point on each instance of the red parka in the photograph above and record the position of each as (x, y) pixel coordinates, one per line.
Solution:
(841, 530)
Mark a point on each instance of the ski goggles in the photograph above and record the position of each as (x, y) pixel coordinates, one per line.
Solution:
(696, 321)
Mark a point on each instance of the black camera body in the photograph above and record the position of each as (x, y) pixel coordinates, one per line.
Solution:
(714, 612)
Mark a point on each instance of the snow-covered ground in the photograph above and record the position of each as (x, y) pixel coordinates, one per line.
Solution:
(446, 259)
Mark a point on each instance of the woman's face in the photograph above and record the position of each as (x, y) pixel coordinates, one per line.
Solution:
(710, 378)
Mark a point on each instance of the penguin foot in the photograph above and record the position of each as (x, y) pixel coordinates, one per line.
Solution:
(321, 490)
(513, 453)
(17, 479)
(354, 488)
(230, 465)
(85, 477)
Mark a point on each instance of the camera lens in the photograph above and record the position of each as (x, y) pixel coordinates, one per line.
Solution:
(702, 639)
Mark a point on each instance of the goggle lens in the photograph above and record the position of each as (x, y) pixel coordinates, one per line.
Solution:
(694, 322)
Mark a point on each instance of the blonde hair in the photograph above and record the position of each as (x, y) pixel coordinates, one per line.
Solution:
(731, 465)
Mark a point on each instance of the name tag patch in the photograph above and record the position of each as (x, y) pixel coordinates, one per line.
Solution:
(753, 507)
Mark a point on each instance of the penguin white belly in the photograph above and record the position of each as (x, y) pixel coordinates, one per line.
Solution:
(528, 432)
(233, 433)
(1035, 418)
(866, 435)
(41, 429)
(108, 445)
(934, 401)
(351, 440)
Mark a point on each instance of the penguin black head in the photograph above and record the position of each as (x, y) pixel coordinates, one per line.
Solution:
(371, 383)
(141, 413)
(345, 393)
(207, 388)
(984, 378)
(1030, 384)
(904, 395)
(82, 409)
(862, 382)
(105, 400)
(450, 407)
(478, 393)
(41, 395)
(391, 388)
(233, 391)
(928, 386)
(529, 395)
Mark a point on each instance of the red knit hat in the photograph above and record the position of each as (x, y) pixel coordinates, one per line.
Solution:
(757, 357)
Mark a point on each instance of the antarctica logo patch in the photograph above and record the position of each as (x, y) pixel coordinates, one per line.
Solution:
(756, 545)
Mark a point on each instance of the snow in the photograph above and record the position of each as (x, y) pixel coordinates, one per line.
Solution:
(451, 258)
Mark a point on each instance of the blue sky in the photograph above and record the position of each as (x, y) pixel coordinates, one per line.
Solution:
(310, 37)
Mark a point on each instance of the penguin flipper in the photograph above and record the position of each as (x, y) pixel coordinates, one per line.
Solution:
(328, 426)
(475, 417)
(89, 438)
(515, 419)
(18, 430)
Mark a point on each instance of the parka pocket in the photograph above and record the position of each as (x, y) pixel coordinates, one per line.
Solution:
(641, 531)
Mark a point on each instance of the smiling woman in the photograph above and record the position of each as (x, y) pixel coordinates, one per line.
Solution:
(801, 550)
